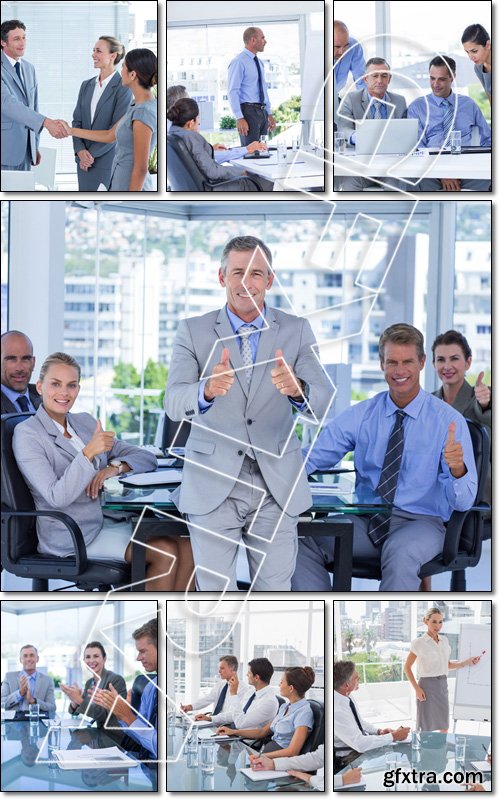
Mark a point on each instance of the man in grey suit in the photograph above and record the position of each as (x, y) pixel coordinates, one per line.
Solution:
(28, 686)
(373, 102)
(18, 363)
(21, 121)
(238, 374)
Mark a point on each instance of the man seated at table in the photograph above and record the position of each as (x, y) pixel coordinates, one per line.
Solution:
(351, 733)
(372, 102)
(257, 706)
(442, 112)
(22, 689)
(141, 726)
(220, 694)
(413, 452)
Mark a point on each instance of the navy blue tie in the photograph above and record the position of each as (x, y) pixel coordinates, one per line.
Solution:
(249, 703)
(380, 523)
(355, 715)
(17, 67)
(22, 402)
(220, 701)
(262, 99)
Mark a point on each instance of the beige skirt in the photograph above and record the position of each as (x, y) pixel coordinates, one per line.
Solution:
(434, 712)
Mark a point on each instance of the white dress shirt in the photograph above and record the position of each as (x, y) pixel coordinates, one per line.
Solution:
(98, 93)
(346, 733)
(432, 657)
(306, 763)
(211, 699)
(262, 710)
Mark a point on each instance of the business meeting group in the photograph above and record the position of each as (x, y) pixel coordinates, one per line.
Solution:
(114, 125)
(240, 378)
(377, 127)
(276, 730)
(105, 733)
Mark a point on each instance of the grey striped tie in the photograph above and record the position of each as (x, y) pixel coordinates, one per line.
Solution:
(378, 110)
(447, 118)
(387, 485)
(244, 332)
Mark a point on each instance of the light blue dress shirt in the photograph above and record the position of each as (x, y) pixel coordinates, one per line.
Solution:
(23, 703)
(352, 61)
(147, 737)
(468, 116)
(289, 717)
(229, 155)
(425, 483)
(243, 83)
(13, 397)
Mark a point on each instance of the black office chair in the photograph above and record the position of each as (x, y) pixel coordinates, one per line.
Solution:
(184, 175)
(317, 735)
(138, 686)
(19, 540)
(464, 530)
(174, 434)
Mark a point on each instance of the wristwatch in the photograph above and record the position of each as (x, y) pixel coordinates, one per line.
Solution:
(116, 463)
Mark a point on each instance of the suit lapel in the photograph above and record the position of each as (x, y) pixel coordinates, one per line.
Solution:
(8, 66)
(225, 332)
(106, 96)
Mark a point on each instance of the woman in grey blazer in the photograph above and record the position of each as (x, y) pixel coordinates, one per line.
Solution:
(65, 459)
(185, 118)
(102, 101)
(94, 657)
(135, 133)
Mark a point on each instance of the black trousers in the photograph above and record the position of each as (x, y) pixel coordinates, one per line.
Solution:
(258, 123)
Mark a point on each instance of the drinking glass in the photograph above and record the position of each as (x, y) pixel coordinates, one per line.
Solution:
(207, 756)
(34, 712)
(456, 143)
(460, 742)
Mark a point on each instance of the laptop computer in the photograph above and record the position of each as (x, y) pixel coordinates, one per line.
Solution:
(386, 137)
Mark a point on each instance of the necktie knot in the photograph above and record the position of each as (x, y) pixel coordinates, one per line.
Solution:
(22, 402)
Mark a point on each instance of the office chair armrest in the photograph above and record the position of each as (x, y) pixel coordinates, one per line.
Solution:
(454, 529)
(335, 471)
(69, 523)
(212, 184)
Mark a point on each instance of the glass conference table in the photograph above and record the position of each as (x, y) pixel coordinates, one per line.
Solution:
(431, 769)
(26, 766)
(184, 773)
(333, 493)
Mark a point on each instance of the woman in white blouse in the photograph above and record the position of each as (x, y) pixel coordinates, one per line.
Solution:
(432, 654)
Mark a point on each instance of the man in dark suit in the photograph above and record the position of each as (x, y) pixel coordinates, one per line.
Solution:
(18, 363)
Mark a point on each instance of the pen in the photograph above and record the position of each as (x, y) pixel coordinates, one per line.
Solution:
(485, 749)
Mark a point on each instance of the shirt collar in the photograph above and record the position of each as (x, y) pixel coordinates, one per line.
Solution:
(368, 98)
(438, 100)
(29, 676)
(105, 82)
(249, 53)
(412, 409)
(13, 61)
(236, 322)
(13, 395)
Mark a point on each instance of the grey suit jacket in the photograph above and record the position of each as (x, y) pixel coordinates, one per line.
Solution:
(202, 153)
(258, 416)
(9, 408)
(57, 475)
(19, 114)
(44, 691)
(355, 104)
(92, 709)
(111, 107)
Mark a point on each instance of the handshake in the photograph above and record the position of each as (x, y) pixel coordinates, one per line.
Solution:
(57, 128)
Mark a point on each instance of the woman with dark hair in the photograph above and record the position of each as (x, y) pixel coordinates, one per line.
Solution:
(135, 132)
(294, 720)
(94, 656)
(477, 44)
(185, 118)
(102, 101)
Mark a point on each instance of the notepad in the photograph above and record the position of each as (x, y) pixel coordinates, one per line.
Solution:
(6, 714)
(481, 766)
(164, 476)
(264, 774)
(104, 758)
(350, 786)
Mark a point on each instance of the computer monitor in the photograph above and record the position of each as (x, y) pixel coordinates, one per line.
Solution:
(171, 434)
(386, 136)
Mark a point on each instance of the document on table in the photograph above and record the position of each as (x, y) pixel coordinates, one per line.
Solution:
(403, 741)
(481, 766)
(7, 714)
(164, 476)
(104, 758)
(349, 786)
(376, 764)
(264, 774)
(202, 723)
(71, 722)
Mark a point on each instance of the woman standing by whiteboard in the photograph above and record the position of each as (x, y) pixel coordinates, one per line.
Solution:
(432, 653)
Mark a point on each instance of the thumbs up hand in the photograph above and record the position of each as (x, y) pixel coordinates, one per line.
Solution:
(101, 442)
(222, 378)
(482, 392)
(453, 453)
(285, 380)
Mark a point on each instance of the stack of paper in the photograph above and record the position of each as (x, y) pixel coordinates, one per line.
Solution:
(264, 774)
(104, 758)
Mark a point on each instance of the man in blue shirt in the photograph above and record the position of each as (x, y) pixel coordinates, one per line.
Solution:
(413, 452)
(247, 89)
(442, 112)
(18, 363)
(140, 725)
(348, 56)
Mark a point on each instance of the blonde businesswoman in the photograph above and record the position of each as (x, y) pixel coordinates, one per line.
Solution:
(293, 722)
(65, 459)
(135, 132)
(432, 654)
(102, 102)
(477, 44)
